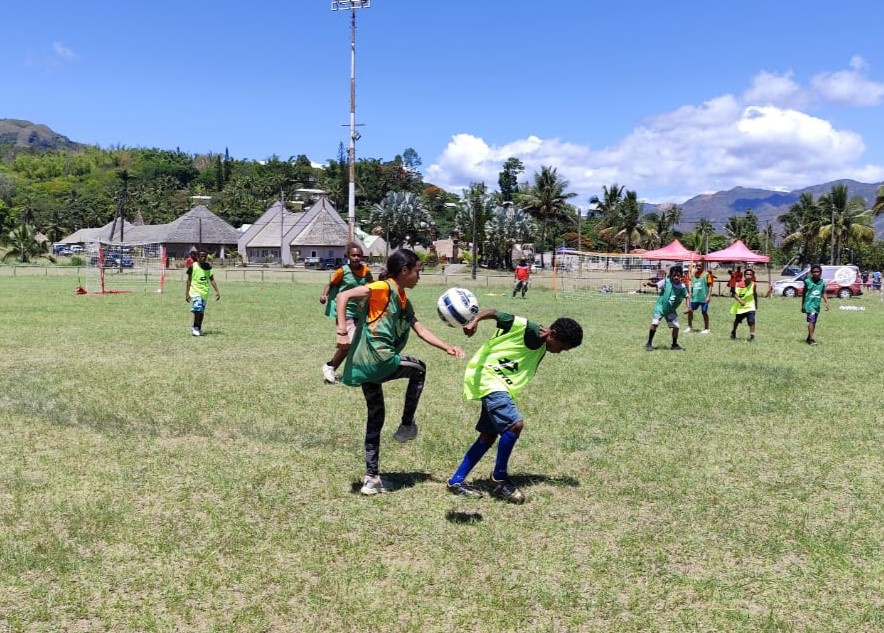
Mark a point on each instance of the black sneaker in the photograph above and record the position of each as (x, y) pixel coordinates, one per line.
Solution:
(676, 348)
(649, 348)
(811, 341)
(733, 336)
(506, 490)
(464, 490)
(751, 338)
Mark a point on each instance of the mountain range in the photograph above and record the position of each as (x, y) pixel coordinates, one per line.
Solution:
(766, 204)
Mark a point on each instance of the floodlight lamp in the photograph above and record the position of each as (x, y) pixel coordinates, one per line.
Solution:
(343, 5)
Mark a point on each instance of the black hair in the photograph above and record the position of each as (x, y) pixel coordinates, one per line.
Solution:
(676, 269)
(567, 331)
(353, 245)
(398, 261)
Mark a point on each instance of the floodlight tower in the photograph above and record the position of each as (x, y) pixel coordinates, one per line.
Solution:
(341, 5)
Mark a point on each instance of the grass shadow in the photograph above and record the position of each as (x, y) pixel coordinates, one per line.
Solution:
(398, 481)
(463, 518)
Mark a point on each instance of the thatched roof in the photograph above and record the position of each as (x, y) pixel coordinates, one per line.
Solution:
(320, 225)
(197, 226)
(270, 229)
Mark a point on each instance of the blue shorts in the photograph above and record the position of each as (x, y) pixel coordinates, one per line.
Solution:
(704, 307)
(197, 304)
(812, 317)
(498, 413)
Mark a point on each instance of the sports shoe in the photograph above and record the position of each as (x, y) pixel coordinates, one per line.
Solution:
(464, 490)
(704, 332)
(733, 336)
(373, 485)
(196, 331)
(751, 338)
(688, 330)
(405, 433)
(649, 348)
(676, 348)
(506, 490)
(328, 373)
(811, 341)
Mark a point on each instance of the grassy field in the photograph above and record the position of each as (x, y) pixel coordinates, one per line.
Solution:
(153, 481)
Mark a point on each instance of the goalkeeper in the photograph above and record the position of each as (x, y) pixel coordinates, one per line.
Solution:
(200, 279)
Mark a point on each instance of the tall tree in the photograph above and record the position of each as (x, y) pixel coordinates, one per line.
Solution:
(624, 223)
(801, 228)
(508, 180)
(22, 244)
(847, 221)
(546, 201)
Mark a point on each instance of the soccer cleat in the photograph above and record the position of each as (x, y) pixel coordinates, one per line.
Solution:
(676, 348)
(405, 433)
(733, 336)
(649, 348)
(196, 331)
(464, 490)
(506, 490)
(704, 332)
(811, 341)
(328, 373)
(373, 485)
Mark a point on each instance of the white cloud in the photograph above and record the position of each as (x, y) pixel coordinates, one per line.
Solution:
(61, 51)
(850, 87)
(761, 139)
(59, 56)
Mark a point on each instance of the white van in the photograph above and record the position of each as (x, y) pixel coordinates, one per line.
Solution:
(841, 281)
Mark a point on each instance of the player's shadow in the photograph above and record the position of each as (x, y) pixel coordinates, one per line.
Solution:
(398, 481)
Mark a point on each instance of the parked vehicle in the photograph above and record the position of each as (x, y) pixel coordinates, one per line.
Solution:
(841, 281)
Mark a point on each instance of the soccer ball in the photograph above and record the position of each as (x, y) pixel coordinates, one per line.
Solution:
(457, 307)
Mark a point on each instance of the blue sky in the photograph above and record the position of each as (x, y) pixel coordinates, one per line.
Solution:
(671, 99)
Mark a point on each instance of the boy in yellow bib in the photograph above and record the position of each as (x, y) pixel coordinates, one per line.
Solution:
(495, 375)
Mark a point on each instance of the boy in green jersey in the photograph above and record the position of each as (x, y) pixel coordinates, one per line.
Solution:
(745, 302)
(672, 292)
(495, 375)
(814, 293)
(200, 279)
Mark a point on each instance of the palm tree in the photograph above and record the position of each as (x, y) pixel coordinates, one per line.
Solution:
(802, 223)
(23, 245)
(400, 216)
(849, 221)
(547, 202)
(703, 231)
(504, 228)
(626, 224)
(660, 224)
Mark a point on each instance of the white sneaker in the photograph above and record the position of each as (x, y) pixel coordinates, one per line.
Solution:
(196, 331)
(373, 485)
(328, 373)
(688, 330)
(405, 433)
(705, 332)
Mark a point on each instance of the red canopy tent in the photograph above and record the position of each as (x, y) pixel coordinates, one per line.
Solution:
(736, 252)
(672, 252)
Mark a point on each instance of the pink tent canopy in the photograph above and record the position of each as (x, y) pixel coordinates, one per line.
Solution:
(736, 252)
(673, 252)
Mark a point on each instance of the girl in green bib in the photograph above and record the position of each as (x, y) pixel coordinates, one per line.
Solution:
(745, 300)
(374, 355)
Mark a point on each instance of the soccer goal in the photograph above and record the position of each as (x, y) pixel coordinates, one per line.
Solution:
(601, 276)
(124, 268)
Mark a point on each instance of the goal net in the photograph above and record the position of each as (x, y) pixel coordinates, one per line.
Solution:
(602, 276)
(124, 268)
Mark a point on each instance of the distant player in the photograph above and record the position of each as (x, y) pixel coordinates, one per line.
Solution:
(374, 355)
(745, 301)
(495, 375)
(701, 293)
(672, 292)
(814, 294)
(353, 273)
(200, 279)
(523, 271)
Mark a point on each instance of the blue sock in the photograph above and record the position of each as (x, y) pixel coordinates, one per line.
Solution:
(504, 450)
(474, 454)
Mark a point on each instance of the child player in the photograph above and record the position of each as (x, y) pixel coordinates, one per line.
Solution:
(353, 273)
(814, 293)
(672, 292)
(495, 375)
(374, 354)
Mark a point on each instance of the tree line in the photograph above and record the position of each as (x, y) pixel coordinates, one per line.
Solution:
(58, 192)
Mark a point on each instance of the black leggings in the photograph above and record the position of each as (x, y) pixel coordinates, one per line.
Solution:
(415, 371)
